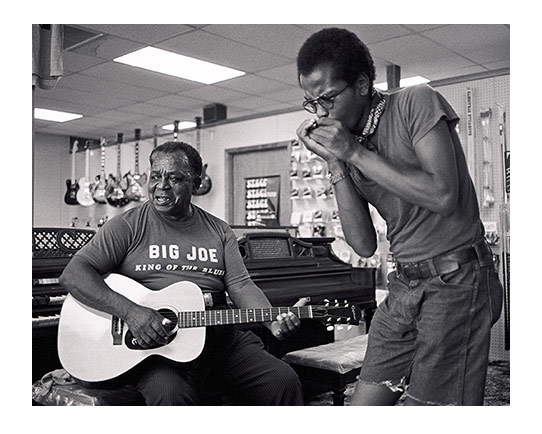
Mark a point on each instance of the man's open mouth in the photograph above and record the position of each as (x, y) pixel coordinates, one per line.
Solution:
(162, 200)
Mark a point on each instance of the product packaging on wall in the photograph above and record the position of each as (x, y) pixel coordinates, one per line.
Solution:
(314, 207)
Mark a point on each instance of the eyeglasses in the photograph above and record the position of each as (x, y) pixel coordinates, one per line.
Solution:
(326, 102)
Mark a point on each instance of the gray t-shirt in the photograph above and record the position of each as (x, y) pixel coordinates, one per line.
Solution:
(156, 252)
(416, 233)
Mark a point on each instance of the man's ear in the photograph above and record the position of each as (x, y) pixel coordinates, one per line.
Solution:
(363, 84)
(197, 183)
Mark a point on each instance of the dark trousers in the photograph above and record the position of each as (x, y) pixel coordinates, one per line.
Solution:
(234, 362)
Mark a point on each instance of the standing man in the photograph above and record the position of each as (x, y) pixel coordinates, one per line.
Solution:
(400, 152)
(165, 240)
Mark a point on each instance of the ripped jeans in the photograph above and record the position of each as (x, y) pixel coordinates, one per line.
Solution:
(430, 337)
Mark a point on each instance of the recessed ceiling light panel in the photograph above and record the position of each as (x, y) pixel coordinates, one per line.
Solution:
(54, 116)
(177, 65)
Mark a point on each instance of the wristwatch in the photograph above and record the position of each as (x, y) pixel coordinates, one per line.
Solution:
(333, 179)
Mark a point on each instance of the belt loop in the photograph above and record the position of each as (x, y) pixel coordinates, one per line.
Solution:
(483, 252)
(432, 268)
(208, 299)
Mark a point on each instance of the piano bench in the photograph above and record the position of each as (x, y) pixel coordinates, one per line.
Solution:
(333, 365)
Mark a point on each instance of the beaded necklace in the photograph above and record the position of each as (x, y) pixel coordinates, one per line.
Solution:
(374, 116)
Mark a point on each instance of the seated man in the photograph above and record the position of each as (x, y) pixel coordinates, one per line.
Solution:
(165, 240)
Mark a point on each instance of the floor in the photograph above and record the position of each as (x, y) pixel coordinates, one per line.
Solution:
(497, 388)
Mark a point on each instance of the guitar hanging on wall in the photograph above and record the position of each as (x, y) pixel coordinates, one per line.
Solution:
(114, 193)
(135, 191)
(101, 183)
(206, 182)
(84, 195)
(72, 186)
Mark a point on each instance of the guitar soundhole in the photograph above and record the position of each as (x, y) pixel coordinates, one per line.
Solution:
(171, 327)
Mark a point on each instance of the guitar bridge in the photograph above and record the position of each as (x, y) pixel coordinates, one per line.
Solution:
(117, 326)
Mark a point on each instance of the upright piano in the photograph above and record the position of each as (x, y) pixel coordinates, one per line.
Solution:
(287, 268)
(284, 267)
(52, 249)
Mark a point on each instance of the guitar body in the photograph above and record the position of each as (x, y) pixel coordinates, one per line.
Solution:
(72, 186)
(84, 193)
(70, 197)
(85, 341)
(99, 190)
(206, 183)
(114, 194)
(136, 190)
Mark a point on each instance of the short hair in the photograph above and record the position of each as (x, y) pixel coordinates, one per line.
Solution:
(192, 155)
(347, 55)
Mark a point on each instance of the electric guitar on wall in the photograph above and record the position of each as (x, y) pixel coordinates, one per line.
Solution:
(101, 183)
(206, 183)
(72, 186)
(95, 346)
(84, 195)
(136, 191)
(116, 187)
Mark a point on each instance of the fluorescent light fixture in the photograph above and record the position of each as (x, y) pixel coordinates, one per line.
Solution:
(166, 62)
(184, 125)
(54, 116)
(412, 81)
(404, 82)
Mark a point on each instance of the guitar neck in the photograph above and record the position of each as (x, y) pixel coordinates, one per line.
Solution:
(206, 318)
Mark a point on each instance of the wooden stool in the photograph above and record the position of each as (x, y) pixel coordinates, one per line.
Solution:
(336, 364)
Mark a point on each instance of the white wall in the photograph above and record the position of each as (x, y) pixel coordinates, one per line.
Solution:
(52, 165)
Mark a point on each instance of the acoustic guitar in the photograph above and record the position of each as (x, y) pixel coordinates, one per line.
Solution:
(114, 193)
(72, 186)
(94, 346)
(100, 185)
(84, 195)
(136, 191)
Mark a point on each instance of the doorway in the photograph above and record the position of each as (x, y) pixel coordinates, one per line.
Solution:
(267, 160)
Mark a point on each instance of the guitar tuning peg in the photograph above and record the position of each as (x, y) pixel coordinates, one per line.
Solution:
(328, 319)
(340, 327)
(330, 328)
(348, 327)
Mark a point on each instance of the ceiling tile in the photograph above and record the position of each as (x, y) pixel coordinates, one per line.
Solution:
(98, 85)
(141, 77)
(212, 48)
(108, 47)
(176, 102)
(252, 84)
(368, 33)
(282, 39)
(481, 43)
(417, 50)
(144, 33)
(286, 74)
(213, 94)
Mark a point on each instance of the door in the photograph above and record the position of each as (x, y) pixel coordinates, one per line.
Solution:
(256, 162)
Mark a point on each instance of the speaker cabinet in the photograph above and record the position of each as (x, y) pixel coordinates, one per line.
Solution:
(214, 113)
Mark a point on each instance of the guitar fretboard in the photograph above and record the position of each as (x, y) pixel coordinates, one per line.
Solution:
(238, 316)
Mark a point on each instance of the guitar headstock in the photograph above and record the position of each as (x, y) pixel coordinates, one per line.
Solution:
(337, 313)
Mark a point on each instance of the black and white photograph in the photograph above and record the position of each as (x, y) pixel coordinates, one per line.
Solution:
(272, 215)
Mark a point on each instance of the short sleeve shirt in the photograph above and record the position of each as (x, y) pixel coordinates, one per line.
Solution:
(416, 233)
(156, 252)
